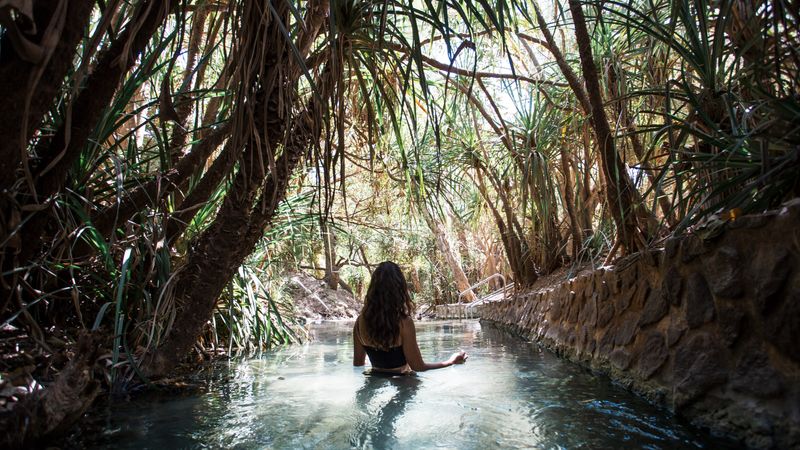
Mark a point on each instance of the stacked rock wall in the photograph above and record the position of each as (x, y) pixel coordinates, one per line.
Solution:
(709, 328)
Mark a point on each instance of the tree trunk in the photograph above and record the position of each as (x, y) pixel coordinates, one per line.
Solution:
(617, 87)
(150, 193)
(443, 244)
(621, 195)
(59, 155)
(201, 194)
(511, 242)
(222, 248)
(258, 187)
(329, 245)
(113, 64)
(517, 250)
(18, 83)
(183, 106)
(569, 74)
(47, 414)
(569, 200)
(588, 200)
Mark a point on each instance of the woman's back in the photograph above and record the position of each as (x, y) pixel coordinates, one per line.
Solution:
(384, 330)
(381, 358)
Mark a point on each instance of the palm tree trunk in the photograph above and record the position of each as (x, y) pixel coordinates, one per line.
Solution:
(617, 88)
(329, 246)
(443, 244)
(569, 205)
(222, 248)
(201, 194)
(517, 250)
(151, 192)
(621, 196)
(518, 261)
(65, 147)
(572, 79)
(183, 107)
(260, 184)
(588, 199)
(18, 82)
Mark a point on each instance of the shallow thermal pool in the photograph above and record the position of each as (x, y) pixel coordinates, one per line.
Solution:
(509, 394)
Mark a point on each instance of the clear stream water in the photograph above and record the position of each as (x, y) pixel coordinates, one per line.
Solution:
(509, 394)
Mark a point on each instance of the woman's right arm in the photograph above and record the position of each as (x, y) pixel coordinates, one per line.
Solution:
(408, 334)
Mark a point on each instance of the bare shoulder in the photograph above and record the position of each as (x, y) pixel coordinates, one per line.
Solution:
(407, 324)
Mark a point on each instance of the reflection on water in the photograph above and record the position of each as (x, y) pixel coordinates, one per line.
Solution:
(376, 419)
(508, 395)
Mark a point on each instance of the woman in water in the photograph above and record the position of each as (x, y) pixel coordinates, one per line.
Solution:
(384, 330)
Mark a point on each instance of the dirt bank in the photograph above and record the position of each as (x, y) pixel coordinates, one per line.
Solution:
(314, 300)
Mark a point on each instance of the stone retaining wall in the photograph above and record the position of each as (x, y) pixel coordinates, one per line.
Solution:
(709, 328)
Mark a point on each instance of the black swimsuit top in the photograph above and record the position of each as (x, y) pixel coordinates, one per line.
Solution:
(386, 359)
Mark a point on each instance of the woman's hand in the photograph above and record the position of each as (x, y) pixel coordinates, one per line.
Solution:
(459, 358)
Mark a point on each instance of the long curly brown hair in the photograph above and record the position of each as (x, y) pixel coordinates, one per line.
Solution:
(387, 302)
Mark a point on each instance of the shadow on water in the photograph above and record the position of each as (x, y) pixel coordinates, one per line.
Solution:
(376, 417)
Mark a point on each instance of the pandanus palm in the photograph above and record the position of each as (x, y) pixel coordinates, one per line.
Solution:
(720, 90)
(343, 49)
(289, 70)
(537, 131)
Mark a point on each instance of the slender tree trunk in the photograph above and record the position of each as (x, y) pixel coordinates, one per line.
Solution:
(416, 284)
(183, 106)
(621, 195)
(463, 242)
(443, 244)
(588, 203)
(329, 246)
(364, 258)
(517, 250)
(572, 79)
(523, 274)
(569, 200)
(617, 87)
(153, 191)
(201, 194)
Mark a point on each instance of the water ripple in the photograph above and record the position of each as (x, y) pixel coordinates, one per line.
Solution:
(509, 395)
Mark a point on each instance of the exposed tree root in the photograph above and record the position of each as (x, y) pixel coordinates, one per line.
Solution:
(50, 412)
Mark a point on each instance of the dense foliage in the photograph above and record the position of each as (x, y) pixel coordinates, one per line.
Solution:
(163, 163)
